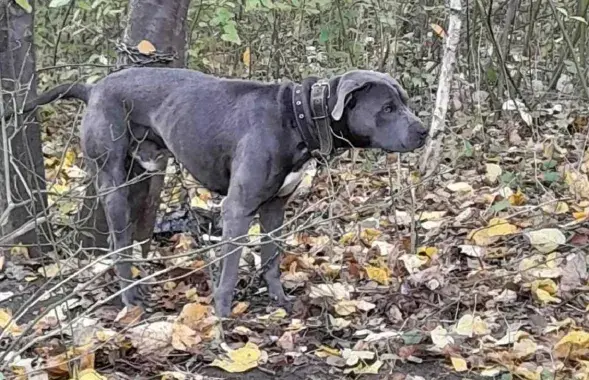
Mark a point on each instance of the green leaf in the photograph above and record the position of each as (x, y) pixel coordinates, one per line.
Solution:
(507, 177)
(58, 3)
(468, 149)
(549, 164)
(324, 35)
(24, 4)
(563, 11)
(412, 337)
(500, 206)
(551, 177)
(230, 34)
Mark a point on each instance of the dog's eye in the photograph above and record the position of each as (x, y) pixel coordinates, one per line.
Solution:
(388, 109)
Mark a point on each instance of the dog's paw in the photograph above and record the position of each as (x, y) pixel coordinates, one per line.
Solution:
(132, 296)
(277, 295)
(223, 301)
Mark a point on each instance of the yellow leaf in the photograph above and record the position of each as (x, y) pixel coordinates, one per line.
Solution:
(369, 235)
(470, 325)
(582, 215)
(459, 364)
(254, 231)
(347, 238)
(69, 159)
(8, 325)
(240, 308)
(145, 47)
(88, 374)
(440, 32)
(24, 4)
(19, 250)
(556, 208)
(246, 57)
(544, 291)
(240, 360)
(380, 275)
(429, 252)
(197, 201)
(325, 351)
(517, 199)
(497, 227)
(572, 343)
(135, 272)
(277, 315)
(500, 227)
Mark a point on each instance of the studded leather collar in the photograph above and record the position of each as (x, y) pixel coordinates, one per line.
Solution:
(316, 132)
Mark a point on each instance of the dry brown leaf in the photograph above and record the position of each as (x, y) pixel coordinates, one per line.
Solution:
(146, 48)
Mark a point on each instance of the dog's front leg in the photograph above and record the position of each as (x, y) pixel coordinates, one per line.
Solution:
(271, 219)
(236, 221)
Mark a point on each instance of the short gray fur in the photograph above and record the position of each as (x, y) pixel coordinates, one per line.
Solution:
(235, 137)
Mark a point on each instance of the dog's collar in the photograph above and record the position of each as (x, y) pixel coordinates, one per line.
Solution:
(320, 140)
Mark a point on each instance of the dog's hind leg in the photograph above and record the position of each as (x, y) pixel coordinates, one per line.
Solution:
(271, 219)
(105, 143)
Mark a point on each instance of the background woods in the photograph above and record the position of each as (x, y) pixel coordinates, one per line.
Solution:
(477, 269)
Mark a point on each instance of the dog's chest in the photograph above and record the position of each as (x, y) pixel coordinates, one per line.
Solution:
(293, 180)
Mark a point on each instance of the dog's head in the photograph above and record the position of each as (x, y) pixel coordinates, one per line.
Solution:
(374, 108)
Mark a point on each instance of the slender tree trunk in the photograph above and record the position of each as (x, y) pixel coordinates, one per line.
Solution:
(163, 24)
(22, 178)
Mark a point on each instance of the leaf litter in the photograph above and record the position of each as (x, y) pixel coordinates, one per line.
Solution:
(495, 285)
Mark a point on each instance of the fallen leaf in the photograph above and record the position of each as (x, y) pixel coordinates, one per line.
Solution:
(459, 187)
(362, 369)
(145, 47)
(524, 348)
(352, 357)
(440, 337)
(380, 275)
(152, 338)
(556, 208)
(246, 57)
(440, 32)
(183, 337)
(345, 307)
(546, 240)
(337, 291)
(240, 360)
(459, 364)
(544, 291)
(493, 172)
(7, 324)
(496, 227)
(469, 325)
(572, 344)
(88, 374)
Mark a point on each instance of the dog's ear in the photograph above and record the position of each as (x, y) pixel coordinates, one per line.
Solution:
(354, 81)
(347, 85)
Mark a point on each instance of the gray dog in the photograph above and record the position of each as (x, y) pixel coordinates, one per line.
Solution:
(243, 139)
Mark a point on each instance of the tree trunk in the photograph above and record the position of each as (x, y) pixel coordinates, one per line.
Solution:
(23, 198)
(163, 24)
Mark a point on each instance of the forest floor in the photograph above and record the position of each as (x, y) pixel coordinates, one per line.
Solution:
(492, 285)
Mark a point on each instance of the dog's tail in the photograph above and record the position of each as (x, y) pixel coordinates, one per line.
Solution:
(65, 91)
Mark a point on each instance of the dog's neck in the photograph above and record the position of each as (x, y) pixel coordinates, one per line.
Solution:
(341, 135)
